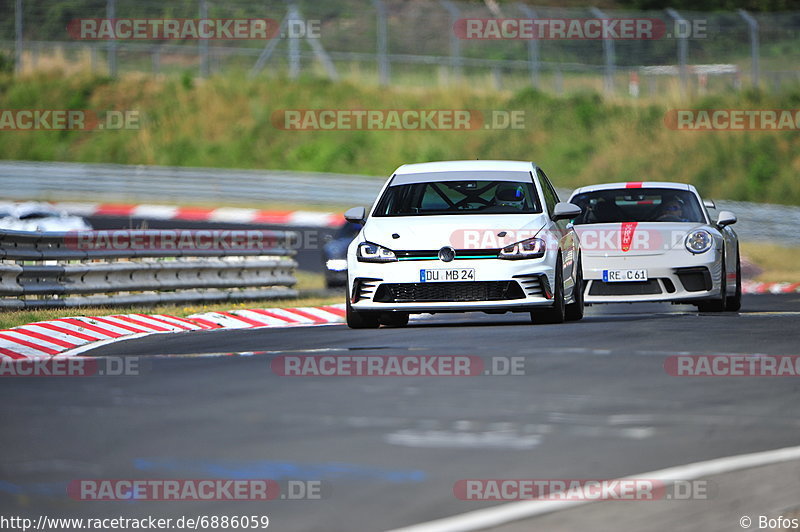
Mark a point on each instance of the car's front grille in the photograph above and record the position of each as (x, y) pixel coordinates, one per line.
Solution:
(461, 254)
(451, 291)
(695, 279)
(649, 287)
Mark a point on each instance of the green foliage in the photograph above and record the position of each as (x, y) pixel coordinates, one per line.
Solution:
(578, 139)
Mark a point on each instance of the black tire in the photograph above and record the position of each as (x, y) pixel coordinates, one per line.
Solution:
(394, 319)
(734, 302)
(719, 304)
(574, 311)
(555, 314)
(361, 320)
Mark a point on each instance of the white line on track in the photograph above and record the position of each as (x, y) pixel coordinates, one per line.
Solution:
(516, 511)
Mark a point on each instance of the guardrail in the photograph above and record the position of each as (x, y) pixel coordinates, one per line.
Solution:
(107, 182)
(46, 270)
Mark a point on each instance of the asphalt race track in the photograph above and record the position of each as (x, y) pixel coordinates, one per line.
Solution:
(594, 402)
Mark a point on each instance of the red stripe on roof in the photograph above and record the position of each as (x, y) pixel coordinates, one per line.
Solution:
(634, 184)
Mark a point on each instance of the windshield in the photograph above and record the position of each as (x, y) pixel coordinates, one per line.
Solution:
(458, 197)
(638, 205)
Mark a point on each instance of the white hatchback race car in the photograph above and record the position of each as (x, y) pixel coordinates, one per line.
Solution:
(655, 241)
(462, 236)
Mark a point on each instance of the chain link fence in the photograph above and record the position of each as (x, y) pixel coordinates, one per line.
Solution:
(415, 42)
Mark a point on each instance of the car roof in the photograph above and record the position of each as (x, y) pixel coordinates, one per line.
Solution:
(635, 185)
(465, 166)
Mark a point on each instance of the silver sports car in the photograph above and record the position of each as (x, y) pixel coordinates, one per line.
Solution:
(655, 241)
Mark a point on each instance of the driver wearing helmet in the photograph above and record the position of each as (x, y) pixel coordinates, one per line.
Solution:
(672, 211)
(509, 195)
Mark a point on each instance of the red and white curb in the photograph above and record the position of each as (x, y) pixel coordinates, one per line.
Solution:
(71, 336)
(205, 214)
(752, 287)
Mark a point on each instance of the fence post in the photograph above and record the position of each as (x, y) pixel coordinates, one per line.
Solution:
(533, 48)
(111, 13)
(18, 30)
(608, 52)
(203, 44)
(455, 42)
(383, 45)
(682, 45)
(294, 43)
(753, 24)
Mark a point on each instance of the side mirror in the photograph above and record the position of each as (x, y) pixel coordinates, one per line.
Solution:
(709, 204)
(356, 215)
(565, 211)
(726, 218)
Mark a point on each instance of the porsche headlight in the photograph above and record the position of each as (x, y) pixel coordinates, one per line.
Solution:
(369, 252)
(699, 241)
(532, 248)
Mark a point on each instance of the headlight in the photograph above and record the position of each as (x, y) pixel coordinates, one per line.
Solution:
(699, 241)
(369, 252)
(533, 248)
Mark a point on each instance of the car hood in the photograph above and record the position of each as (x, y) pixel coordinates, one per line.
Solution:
(459, 231)
(632, 238)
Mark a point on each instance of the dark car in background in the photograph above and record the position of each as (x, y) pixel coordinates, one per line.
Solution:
(334, 255)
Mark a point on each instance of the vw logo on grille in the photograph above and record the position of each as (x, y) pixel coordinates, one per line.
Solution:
(447, 254)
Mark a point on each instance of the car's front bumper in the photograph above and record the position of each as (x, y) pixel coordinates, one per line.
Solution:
(672, 276)
(528, 281)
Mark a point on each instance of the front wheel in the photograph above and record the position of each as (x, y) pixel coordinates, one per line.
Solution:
(361, 320)
(734, 302)
(555, 314)
(719, 304)
(574, 311)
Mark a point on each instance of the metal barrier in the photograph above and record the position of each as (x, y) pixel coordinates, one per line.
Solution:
(42, 270)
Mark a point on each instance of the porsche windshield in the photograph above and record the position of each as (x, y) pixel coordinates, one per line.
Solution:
(639, 205)
(459, 197)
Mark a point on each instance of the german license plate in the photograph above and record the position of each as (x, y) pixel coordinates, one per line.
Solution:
(446, 274)
(624, 276)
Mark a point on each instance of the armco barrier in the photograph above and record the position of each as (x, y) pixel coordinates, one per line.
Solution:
(24, 180)
(46, 270)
